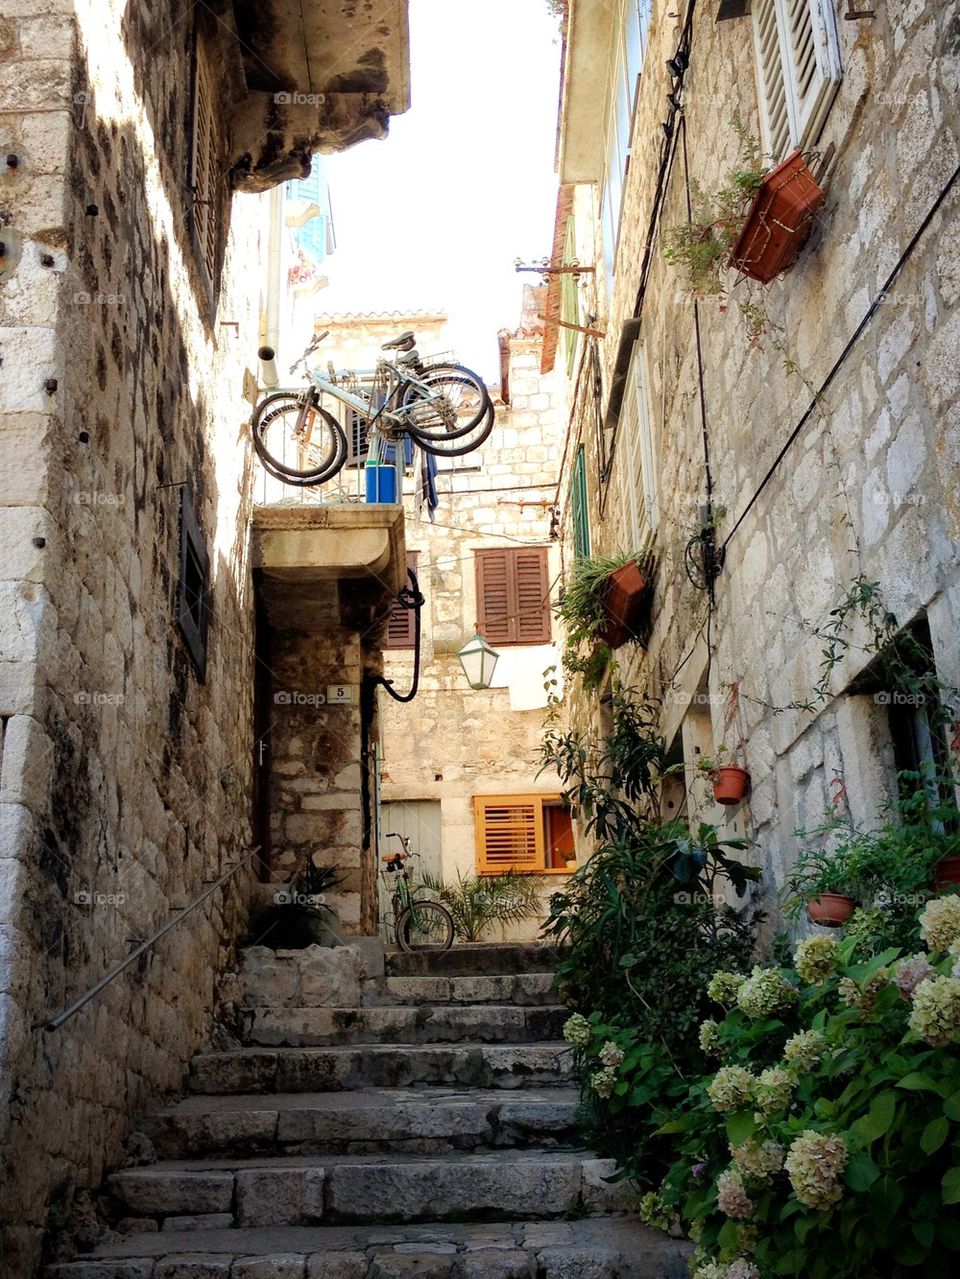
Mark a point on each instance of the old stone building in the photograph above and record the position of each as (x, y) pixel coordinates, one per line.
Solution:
(460, 759)
(135, 138)
(785, 445)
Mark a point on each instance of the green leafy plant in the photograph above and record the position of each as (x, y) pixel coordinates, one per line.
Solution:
(298, 916)
(701, 247)
(477, 902)
(827, 1143)
(889, 870)
(583, 613)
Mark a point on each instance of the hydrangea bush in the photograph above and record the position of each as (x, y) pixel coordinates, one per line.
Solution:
(827, 1143)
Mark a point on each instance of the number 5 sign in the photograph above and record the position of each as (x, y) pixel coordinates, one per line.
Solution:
(339, 694)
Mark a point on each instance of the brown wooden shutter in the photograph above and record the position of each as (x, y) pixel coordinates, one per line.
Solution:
(510, 833)
(401, 628)
(513, 604)
(205, 187)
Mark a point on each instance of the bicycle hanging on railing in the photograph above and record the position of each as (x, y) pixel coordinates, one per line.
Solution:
(443, 407)
(418, 923)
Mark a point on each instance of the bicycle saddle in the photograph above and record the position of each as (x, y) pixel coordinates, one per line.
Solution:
(404, 342)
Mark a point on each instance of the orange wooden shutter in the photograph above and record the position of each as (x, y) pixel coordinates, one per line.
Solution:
(513, 605)
(510, 834)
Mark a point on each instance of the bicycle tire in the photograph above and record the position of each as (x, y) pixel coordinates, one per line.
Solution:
(456, 445)
(448, 401)
(412, 925)
(326, 454)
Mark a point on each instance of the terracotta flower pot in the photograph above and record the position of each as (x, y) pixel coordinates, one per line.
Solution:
(830, 909)
(779, 221)
(624, 602)
(946, 873)
(729, 784)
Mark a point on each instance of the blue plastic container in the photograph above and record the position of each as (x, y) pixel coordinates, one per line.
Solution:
(381, 482)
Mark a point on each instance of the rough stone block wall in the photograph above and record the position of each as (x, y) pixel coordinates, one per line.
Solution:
(869, 485)
(315, 766)
(125, 779)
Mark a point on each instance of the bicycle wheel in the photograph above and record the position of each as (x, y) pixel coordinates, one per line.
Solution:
(448, 401)
(297, 442)
(458, 442)
(425, 925)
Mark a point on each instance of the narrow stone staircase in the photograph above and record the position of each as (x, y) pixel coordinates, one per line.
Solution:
(416, 1119)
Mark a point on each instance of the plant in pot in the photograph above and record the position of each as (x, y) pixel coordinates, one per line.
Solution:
(478, 902)
(756, 224)
(824, 880)
(729, 780)
(604, 604)
(298, 916)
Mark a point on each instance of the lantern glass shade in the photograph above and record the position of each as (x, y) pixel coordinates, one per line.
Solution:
(479, 661)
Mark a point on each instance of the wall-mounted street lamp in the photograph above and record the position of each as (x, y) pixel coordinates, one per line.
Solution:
(479, 661)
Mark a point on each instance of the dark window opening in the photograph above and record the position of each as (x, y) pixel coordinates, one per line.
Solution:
(193, 586)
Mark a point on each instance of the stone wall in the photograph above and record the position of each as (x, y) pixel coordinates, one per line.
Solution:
(451, 742)
(125, 776)
(869, 486)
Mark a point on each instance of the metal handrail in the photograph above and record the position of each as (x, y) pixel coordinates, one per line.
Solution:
(56, 1022)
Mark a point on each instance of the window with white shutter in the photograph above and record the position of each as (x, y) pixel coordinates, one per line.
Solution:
(204, 168)
(798, 70)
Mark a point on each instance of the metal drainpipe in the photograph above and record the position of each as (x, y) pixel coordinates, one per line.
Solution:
(271, 334)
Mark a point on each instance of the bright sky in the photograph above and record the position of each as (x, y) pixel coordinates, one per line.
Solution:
(433, 217)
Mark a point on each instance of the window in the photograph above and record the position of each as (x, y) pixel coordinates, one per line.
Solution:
(531, 833)
(513, 595)
(578, 507)
(798, 70)
(634, 471)
(629, 45)
(401, 628)
(193, 587)
(204, 169)
(355, 429)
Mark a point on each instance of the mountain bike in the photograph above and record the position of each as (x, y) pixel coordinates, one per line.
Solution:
(443, 407)
(419, 924)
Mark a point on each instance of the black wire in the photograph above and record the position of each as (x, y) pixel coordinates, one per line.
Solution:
(841, 359)
(407, 597)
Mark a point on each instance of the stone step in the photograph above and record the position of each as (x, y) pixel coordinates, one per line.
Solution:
(477, 959)
(285, 1191)
(594, 1248)
(421, 1024)
(503, 988)
(423, 1120)
(292, 1070)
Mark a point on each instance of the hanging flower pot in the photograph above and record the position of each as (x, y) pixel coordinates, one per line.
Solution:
(729, 784)
(624, 599)
(830, 909)
(779, 221)
(946, 872)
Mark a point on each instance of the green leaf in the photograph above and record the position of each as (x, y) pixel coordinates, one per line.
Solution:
(740, 1127)
(862, 1172)
(885, 1199)
(917, 1081)
(951, 1107)
(878, 1120)
(948, 1233)
(924, 1232)
(950, 1186)
(934, 1135)
(802, 1227)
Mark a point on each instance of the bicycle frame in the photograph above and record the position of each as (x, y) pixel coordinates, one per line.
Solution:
(394, 417)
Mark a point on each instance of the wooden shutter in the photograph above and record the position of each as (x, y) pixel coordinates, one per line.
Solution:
(401, 628)
(799, 70)
(204, 177)
(513, 595)
(510, 833)
(774, 113)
